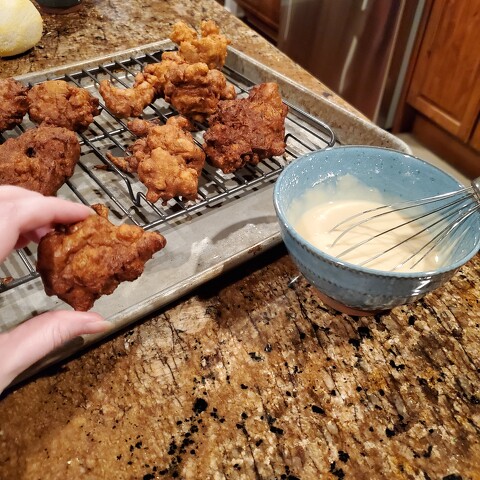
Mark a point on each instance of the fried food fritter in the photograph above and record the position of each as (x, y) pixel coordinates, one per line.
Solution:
(166, 158)
(129, 102)
(210, 48)
(13, 103)
(41, 159)
(194, 90)
(149, 84)
(160, 69)
(62, 104)
(246, 130)
(140, 127)
(81, 262)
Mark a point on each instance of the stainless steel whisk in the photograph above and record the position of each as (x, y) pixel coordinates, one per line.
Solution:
(445, 212)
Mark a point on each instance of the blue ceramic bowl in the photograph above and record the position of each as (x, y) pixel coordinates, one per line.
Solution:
(351, 288)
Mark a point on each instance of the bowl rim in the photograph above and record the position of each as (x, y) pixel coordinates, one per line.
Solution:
(281, 214)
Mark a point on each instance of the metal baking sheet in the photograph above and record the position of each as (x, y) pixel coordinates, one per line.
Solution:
(232, 220)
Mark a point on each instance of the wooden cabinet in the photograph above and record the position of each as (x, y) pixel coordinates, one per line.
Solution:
(444, 91)
(475, 141)
(446, 83)
(263, 14)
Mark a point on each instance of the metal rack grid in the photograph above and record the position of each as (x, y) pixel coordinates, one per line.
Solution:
(124, 194)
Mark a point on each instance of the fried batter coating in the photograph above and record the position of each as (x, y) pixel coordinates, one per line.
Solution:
(62, 104)
(210, 48)
(247, 130)
(41, 159)
(140, 127)
(13, 103)
(195, 90)
(81, 262)
(160, 69)
(129, 102)
(166, 159)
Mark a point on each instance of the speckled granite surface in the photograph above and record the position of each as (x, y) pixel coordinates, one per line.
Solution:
(248, 378)
(101, 27)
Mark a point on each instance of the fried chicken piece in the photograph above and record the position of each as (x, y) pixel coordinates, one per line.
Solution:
(13, 103)
(194, 90)
(166, 159)
(81, 262)
(210, 48)
(247, 130)
(62, 104)
(129, 102)
(41, 159)
(160, 69)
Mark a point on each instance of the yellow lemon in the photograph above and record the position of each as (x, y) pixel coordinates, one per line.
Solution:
(20, 26)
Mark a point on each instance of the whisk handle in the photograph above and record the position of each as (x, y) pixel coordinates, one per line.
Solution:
(476, 187)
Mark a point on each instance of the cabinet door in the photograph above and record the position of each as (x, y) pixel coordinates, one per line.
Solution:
(446, 83)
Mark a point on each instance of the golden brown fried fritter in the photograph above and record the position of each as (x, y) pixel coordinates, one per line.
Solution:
(81, 262)
(13, 103)
(41, 159)
(129, 102)
(159, 70)
(62, 104)
(167, 160)
(140, 127)
(210, 48)
(247, 130)
(194, 90)
(149, 84)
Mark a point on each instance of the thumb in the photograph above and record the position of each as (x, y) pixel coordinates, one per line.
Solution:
(32, 340)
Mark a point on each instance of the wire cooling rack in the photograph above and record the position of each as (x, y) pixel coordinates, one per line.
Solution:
(97, 180)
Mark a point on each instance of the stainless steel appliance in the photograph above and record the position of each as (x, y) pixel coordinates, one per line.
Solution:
(358, 48)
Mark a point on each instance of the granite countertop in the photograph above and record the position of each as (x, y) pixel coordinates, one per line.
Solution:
(101, 27)
(248, 378)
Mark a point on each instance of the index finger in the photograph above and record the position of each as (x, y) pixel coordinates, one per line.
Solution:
(12, 192)
(32, 214)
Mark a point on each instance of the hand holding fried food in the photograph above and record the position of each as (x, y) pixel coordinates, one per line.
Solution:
(194, 90)
(129, 102)
(210, 48)
(62, 104)
(82, 262)
(13, 103)
(247, 130)
(166, 158)
(41, 159)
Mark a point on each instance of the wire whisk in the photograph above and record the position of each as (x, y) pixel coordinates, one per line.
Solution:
(433, 219)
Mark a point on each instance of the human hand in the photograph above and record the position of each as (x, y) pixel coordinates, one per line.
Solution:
(27, 216)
